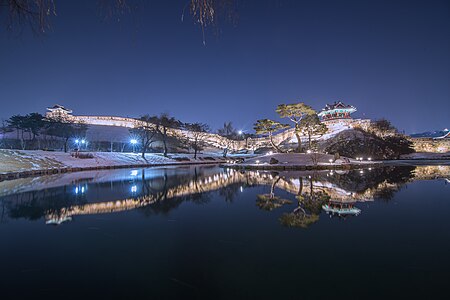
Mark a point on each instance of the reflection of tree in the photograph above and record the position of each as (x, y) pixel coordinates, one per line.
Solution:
(35, 205)
(309, 206)
(270, 201)
(229, 192)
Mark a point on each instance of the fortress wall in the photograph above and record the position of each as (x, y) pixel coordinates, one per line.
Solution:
(213, 139)
(430, 145)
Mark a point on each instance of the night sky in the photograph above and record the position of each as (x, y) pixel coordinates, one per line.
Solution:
(390, 59)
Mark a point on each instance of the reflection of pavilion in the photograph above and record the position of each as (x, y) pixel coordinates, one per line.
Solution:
(341, 209)
(200, 185)
(339, 187)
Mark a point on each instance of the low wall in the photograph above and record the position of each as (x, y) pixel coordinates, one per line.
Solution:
(430, 145)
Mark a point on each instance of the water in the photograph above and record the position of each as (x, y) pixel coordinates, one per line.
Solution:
(209, 233)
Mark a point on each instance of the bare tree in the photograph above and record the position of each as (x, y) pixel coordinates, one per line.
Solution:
(37, 14)
(145, 132)
(163, 125)
(196, 135)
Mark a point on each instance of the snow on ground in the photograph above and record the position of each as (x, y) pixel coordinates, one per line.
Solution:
(426, 155)
(333, 130)
(27, 160)
(300, 159)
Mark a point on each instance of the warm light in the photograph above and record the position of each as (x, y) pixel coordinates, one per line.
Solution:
(370, 158)
(309, 151)
(257, 161)
(270, 152)
(330, 160)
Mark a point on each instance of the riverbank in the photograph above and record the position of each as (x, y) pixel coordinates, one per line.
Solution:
(301, 161)
(24, 163)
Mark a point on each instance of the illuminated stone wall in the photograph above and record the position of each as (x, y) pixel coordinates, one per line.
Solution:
(430, 145)
(212, 139)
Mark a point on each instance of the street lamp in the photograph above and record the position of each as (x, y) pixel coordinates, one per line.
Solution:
(240, 132)
(133, 142)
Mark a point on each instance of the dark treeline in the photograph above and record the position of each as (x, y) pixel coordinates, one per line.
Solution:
(33, 131)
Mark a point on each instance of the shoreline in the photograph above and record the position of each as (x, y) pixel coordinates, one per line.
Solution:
(23, 174)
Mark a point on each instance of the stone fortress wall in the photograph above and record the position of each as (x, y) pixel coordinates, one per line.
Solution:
(431, 145)
(215, 140)
(212, 139)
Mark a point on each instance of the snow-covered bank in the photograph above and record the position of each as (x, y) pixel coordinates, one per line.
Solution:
(301, 161)
(426, 155)
(17, 163)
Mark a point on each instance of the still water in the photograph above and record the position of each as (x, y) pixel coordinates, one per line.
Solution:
(206, 232)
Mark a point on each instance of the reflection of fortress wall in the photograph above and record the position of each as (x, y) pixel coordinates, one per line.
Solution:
(431, 172)
(208, 184)
(431, 145)
(212, 139)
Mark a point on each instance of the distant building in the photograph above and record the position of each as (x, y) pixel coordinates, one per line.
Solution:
(336, 111)
(58, 112)
(435, 135)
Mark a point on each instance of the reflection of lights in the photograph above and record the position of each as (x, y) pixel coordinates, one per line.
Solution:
(80, 189)
(242, 189)
(134, 173)
(134, 189)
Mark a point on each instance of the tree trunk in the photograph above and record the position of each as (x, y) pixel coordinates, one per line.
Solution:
(164, 137)
(66, 141)
(144, 148)
(195, 153)
(309, 140)
(300, 188)
(273, 144)
(299, 142)
(165, 147)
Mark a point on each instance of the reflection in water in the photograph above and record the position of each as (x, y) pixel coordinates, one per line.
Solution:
(149, 190)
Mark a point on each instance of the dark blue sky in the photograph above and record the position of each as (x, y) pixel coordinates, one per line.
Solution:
(388, 58)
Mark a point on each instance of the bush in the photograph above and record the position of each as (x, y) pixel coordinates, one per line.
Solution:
(357, 142)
